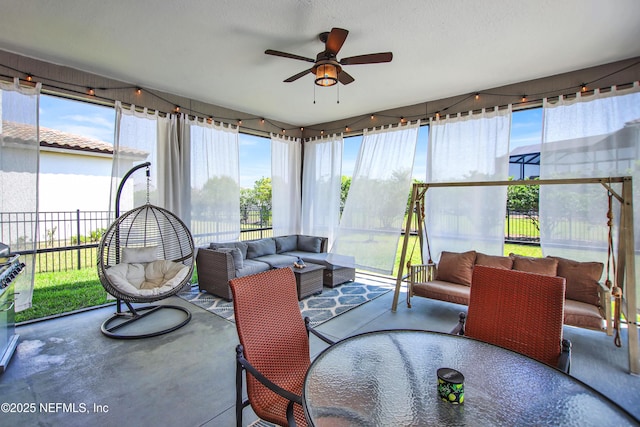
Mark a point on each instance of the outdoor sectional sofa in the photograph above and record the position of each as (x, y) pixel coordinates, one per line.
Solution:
(587, 300)
(221, 262)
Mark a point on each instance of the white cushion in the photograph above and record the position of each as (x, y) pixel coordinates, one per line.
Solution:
(139, 255)
(150, 279)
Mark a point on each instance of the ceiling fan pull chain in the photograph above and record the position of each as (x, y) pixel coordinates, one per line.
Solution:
(338, 88)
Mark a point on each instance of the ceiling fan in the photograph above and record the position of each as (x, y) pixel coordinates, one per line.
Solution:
(327, 68)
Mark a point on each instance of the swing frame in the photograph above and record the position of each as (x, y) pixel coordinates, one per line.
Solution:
(624, 277)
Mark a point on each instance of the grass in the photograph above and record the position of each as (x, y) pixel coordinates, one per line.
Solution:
(62, 292)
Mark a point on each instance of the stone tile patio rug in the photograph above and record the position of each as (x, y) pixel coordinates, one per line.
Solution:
(319, 308)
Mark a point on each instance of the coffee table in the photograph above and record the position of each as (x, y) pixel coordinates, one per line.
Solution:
(308, 279)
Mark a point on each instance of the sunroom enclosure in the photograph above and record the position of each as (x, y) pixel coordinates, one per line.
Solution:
(208, 116)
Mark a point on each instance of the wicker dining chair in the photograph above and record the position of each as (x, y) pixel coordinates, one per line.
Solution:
(519, 311)
(274, 346)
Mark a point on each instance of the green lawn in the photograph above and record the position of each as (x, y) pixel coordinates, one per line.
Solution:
(62, 292)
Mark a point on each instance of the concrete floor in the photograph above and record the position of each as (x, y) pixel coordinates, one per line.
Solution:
(187, 377)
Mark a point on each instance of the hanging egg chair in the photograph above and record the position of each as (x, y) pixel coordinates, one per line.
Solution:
(146, 255)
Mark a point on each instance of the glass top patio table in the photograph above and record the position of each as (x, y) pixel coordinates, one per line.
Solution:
(388, 378)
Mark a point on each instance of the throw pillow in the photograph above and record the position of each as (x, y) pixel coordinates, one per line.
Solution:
(139, 255)
(236, 255)
(286, 244)
(495, 261)
(240, 245)
(546, 266)
(456, 267)
(582, 279)
(310, 244)
(256, 248)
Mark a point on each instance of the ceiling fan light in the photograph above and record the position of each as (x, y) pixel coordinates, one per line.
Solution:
(326, 75)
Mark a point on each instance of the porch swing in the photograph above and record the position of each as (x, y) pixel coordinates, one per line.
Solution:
(619, 276)
(146, 255)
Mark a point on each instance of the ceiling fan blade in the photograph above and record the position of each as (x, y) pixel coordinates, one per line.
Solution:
(288, 55)
(372, 58)
(345, 78)
(297, 76)
(335, 40)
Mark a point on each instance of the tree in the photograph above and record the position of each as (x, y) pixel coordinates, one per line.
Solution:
(525, 199)
(257, 197)
(345, 184)
(223, 189)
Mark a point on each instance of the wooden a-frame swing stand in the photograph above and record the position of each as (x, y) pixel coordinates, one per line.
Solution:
(624, 279)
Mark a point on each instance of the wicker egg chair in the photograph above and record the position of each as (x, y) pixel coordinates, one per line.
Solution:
(146, 255)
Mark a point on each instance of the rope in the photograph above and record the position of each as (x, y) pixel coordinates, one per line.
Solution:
(426, 234)
(616, 291)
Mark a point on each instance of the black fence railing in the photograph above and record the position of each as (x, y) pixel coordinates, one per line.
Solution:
(522, 227)
(69, 240)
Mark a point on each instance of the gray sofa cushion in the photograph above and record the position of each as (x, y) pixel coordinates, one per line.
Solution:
(252, 267)
(237, 256)
(286, 243)
(240, 245)
(277, 260)
(309, 244)
(261, 247)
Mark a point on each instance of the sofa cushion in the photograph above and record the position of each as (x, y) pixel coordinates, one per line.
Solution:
(257, 248)
(238, 262)
(286, 243)
(583, 315)
(310, 244)
(546, 266)
(494, 261)
(582, 279)
(456, 267)
(240, 245)
(444, 291)
(251, 266)
(277, 260)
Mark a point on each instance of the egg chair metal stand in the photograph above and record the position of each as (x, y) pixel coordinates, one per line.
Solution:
(147, 229)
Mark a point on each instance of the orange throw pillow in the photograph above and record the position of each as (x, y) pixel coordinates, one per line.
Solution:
(546, 266)
(494, 261)
(456, 267)
(582, 279)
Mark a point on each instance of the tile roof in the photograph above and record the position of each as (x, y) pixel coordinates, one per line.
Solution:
(64, 140)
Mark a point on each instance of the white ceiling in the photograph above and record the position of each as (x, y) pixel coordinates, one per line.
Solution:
(213, 51)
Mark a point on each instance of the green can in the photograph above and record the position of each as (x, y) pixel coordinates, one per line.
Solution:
(451, 385)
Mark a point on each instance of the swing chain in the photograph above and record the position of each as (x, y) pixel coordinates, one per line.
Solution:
(148, 183)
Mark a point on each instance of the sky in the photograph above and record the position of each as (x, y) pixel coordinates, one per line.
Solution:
(97, 121)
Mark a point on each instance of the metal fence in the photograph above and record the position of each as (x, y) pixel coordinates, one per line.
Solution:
(522, 227)
(69, 240)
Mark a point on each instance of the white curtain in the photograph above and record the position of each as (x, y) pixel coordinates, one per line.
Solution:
(474, 147)
(174, 165)
(587, 136)
(374, 210)
(286, 201)
(136, 142)
(215, 183)
(19, 162)
(321, 183)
